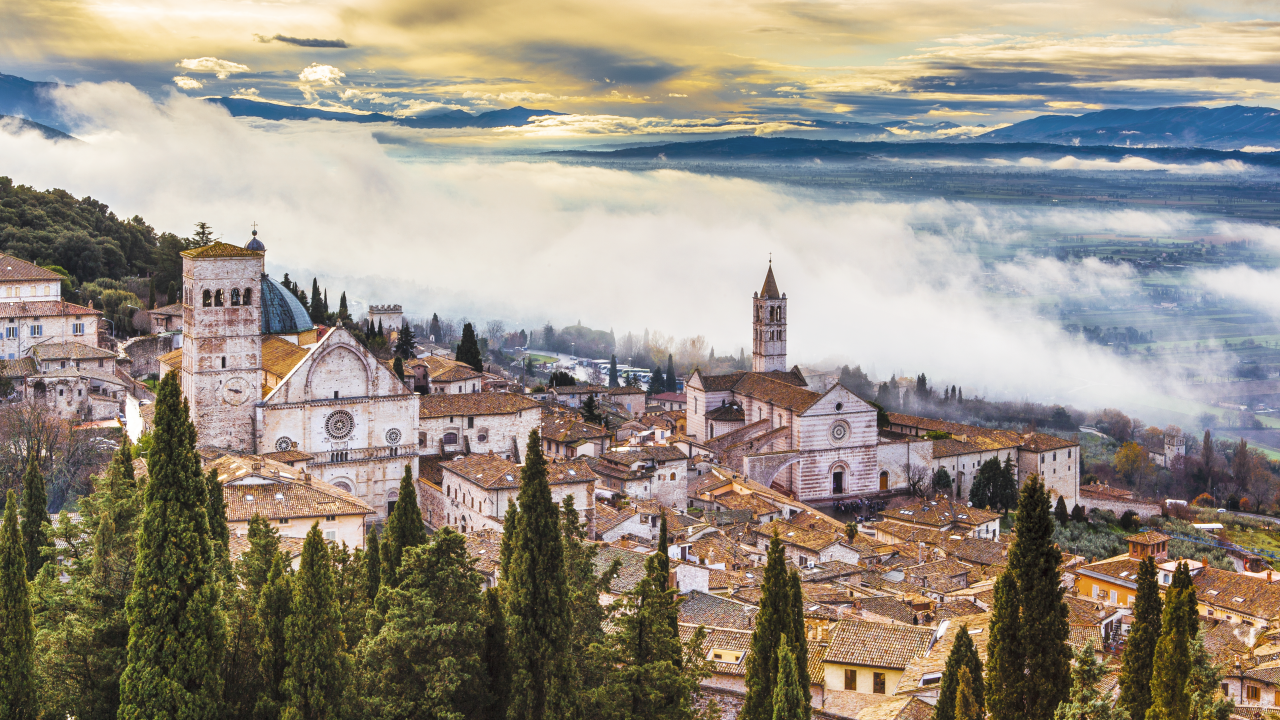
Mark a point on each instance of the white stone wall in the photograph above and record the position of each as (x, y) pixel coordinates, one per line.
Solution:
(343, 528)
(500, 431)
(840, 552)
(895, 458)
(964, 468)
(465, 500)
(1059, 469)
(29, 291)
(630, 526)
(55, 328)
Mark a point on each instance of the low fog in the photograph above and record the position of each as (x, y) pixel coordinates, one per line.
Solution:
(530, 242)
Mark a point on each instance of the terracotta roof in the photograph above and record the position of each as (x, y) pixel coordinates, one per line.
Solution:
(20, 367)
(657, 453)
(279, 356)
(485, 548)
(858, 642)
(488, 471)
(565, 429)
(722, 639)
(1241, 593)
(580, 390)
(239, 545)
(44, 308)
(625, 390)
(1041, 442)
(219, 249)
(727, 413)
(940, 514)
(631, 567)
(762, 387)
(1105, 492)
(1082, 611)
(455, 374)
(722, 383)
(888, 607)
(699, 608)
(935, 660)
(752, 503)
(254, 485)
(463, 404)
(609, 517)
(70, 350)
(961, 608)
(12, 268)
(288, 456)
(769, 290)
(978, 551)
(813, 539)
(571, 471)
(1121, 568)
(1150, 537)
(172, 358)
(170, 309)
(671, 397)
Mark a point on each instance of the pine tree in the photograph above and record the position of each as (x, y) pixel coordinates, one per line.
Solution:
(774, 619)
(17, 629)
(613, 371)
(469, 349)
(1005, 493)
(219, 532)
(318, 665)
(317, 303)
(176, 630)
(1206, 703)
(657, 383)
(275, 604)
(671, 374)
(591, 411)
(1140, 648)
(967, 704)
(800, 642)
(496, 662)
(255, 565)
(426, 661)
(373, 565)
(1077, 514)
(1060, 513)
(543, 677)
(963, 657)
(1085, 702)
(151, 295)
(1034, 560)
(404, 530)
(982, 490)
(1005, 676)
(35, 515)
(406, 345)
(788, 700)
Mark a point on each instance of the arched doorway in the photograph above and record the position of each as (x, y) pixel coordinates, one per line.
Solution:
(884, 480)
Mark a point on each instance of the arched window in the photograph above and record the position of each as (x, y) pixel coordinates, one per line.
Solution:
(451, 438)
(235, 297)
(884, 479)
(247, 297)
(218, 299)
(208, 299)
(342, 484)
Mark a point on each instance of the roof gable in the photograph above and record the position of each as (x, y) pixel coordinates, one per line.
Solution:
(12, 268)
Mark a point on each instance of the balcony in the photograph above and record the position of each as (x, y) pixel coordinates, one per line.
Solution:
(362, 455)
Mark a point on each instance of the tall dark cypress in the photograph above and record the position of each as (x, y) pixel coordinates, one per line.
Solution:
(35, 513)
(1034, 560)
(317, 303)
(318, 666)
(275, 603)
(1140, 648)
(671, 374)
(496, 662)
(664, 562)
(963, 655)
(17, 627)
(1005, 676)
(219, 532)
(404, 529)
(789, 703)
(774, 620)
(176, 630)
(800, 638)
(1172, 666)
(372, 565)
(469, 349)
(543, 676)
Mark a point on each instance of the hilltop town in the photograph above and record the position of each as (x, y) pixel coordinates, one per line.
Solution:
(897, 526)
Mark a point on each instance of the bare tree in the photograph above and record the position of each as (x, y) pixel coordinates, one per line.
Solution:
(919, 479)
(495, 331)
(67, 456)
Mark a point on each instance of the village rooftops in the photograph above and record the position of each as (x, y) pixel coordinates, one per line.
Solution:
(253, 485)
(925, 671)
(174, 309)
(871, 644)
(644, 453)
(563, 428)
(468, 404)
(967, 439)
(497, 473)
(485, 548)
(1121, 570)
(941, 514)
(670, 397)
(279, 356)
(729, 381)
(713, 611)
(1237, 593)
(455, 374)
(219, 249)
(69, 350)
(729, 412)
(12, 268)
(44, 308)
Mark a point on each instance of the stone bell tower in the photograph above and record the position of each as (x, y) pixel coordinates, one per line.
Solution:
(222, 341)
(769, 328)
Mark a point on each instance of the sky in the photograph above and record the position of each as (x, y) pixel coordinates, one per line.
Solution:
(667, 66)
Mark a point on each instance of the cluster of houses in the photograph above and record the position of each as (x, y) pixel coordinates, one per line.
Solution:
(304, 426)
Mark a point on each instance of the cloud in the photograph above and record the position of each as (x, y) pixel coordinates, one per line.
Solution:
(1073, 105)
(599, 65)
(223, 69)
(187, 83)
(330, 202)
(676, 95)
(326, 75)
(303, 42)
(1225, 167)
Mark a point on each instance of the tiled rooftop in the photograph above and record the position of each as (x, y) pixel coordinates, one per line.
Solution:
(858, 642)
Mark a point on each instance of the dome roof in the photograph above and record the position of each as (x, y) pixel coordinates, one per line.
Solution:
(282, 312)
(255, 244)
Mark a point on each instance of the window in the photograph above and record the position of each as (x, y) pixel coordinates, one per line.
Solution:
(1113, 597)
(284, 521)
(1253, 692)
(451, 438)
(330, 518)
(36, 330)
(482, 437)
(850, 679)
(10, 333)
(1068, 454)
(208, 298)
(218, 298)
(247, 297)
(877, 683)
(335, 394)
(224, 362)
(1055, 457)
(837, 482)
(331, 535)
(235, 297)
(100, 361)
(77, 328)
(471, 423)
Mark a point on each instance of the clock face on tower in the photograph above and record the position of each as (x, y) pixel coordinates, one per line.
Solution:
(235, 391)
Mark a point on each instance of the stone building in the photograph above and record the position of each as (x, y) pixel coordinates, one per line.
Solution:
(260, 378)
(478, 490)
(390, 316)
(32, 310)
(818, 445)
(477, 422)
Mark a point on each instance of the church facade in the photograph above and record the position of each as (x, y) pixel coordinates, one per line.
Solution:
(261, 379)
(813, 445)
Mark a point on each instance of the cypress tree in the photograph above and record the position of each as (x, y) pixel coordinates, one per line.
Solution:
(373, 565)
(967, 707)
(1006, 492)
(1207, 703)
(35, 513)
(1181, 581)
(1085, 702)
(800, 642)
(664, 560)
(774, 620)
(274, 607)
(397, 366)
(1140, 648)
(1172, 667)
(613, 371)
(671, 374)
(317, 303)
(1005, 677)
(219, 532)
(406, 344)
(496, 662)
(788, 700)
(1060, 513)
(318, 665)
(657, 384)
(176, 630)
(543, 676)
(1078, 515)
(963, 657)
(982, 490)
(404, 529)
(264, 544)
(325, 307)
(343, 314)
(173, 292)
(17, 627)
(469, 349)
(1034, 560)
(151, 295)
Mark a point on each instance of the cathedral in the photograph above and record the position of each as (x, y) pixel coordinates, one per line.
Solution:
(768, 424)
(261, 379)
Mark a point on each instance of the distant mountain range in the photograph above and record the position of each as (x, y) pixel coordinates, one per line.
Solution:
(240, 107)
(13, 124)
(1235, 126)
(752, 147)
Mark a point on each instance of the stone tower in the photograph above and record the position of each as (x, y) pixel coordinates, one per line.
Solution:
(769, 328)
(222, 341)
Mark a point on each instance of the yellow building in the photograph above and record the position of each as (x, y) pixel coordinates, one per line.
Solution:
(869, 658)
(1114, 581)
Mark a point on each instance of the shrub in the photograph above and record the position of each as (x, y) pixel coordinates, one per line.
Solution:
(1204, 500)
(1090, 541)
(1129, 521)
